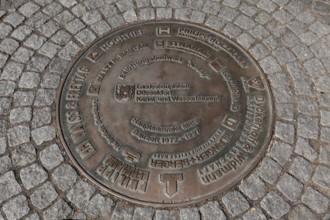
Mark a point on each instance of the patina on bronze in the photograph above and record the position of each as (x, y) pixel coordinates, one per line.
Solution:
(165, 113)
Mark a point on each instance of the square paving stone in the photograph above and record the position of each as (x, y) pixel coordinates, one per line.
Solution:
(41, 116)
(43, 134)
(315, 200)
(18, 135)
(43, 196)
(51, 157)
(33, 175)
(211, 211)
(99, 206)
(321, 177)
(59, 210)
(64, 177)
(301, 169)
(125, 211)
(9, 186)
(253, 187)
(16, 207)
(290, 187)
(80, 193)
(143, 213)
(5, 164)
(254, 214)
(23, 155)
(274, 205)
(269, 170)
(235, 203)
(301, 212)
(308, 126)
(303, 148)
(189, 214)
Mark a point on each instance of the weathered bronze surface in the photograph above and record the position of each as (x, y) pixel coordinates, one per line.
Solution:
(165, 113)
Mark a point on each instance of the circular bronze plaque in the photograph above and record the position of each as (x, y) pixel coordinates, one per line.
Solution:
(165, 113)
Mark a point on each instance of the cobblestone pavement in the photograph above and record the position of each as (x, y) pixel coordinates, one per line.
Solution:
(289, 39)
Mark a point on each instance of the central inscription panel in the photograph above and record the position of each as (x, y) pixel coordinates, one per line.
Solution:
(165, 113)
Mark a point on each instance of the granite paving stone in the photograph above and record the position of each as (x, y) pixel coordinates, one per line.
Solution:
(37, 63)
(43, 134)
(29, 9)
(235, 203)
(64, 177)
(315, 200)
(32, 175)
(195, 4)
(18, 135)
(228, 14)
(212, 210)
(324, 155)
(301, 212)
(301, 169)
(51, 157)
(50, 81)
(14, 19)
(7, 88)
(125, 212)
(116, 21)
(290, 187)
(41, 116)
(43, 196)
(130, 16)
(211, 7)
(35, 41)
(24, 155)
(304, 149)
(64, 17)
(12, 71)
(5, 30)
(44, 97)
(16, 207)
(59, 210)
(23, 98)
(80, 193)
(321, 176)
(255, 214)
(308, 126)
(274, 205)
(269, 170)
(189, 214)
(9, 186)
(19, 115)
(5, 164)
(163, 13)
(141, 213)
(22, 55)
(3, 145)
(99, 206)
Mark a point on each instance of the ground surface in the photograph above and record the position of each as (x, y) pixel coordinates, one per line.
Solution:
(289, 39)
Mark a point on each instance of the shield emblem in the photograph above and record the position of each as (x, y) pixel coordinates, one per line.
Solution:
(124, 93)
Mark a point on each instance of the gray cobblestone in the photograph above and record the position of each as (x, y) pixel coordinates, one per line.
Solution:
(29, 9)
(159, 3)
(5, 30)
(7, 88)
(49, 28)
(324, 156)
(163, 13)
(211, 7)
(189, 214)
(58, 66)
(74, 26)
(274, 205)
(308, 126)
(263, 18)
(99, 207)
(147, 14)
(125, 5)
(18, 135)
(175, 3)
(16, 208)
(289, 39)
(3, 145)
(259, 32)
(101, 27)
(49, 49)
(33, 175)
(109, 10)
(245, 40)
(33, 216)
(290, 187)
(37, 63)
(314, 66)
(9, 186)
(228, 14)
(130, 16)
(19, 115)
(259, 51)
(5, 164)
(64, 17)
(43, 196)
(253, 187)
(59, 210)
(197, 17)
(68, 3)
(248, 9)
(321, 176)
(284, 56)
(301, 169)
(282, 16)
(270, 65)
(12, 71)
(304, 149)
(44, 97)
(29, 80)
(143, 213)
(43, 134)
(80, 193)
(5, 104)
(285, 111)
(254, 214)
(22, 55)
(195, 4)
(325, 134)
(232, 30)
(53, 9)
(142, 3)
(85, 36)
(116, 21)
(23, 98)
(235, 203)
(37, 20)
(182, 14)
(51, 157)
(315, 200)
(214, 22)
(64, 177)
(322, 83)
(35, 41)
(23, 155)
(269, 170)
(123, 211)
(91, 17)
(79, 10)
(320, 49)
(244, 22)
(301, 212)
(308, 107)
(41, 117)
(50, 81)
(325, 118)
(212, 210)
(285, 132)
(3, 59)
(14, 19)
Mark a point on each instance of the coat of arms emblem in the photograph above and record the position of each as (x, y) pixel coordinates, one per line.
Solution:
(124, 93)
